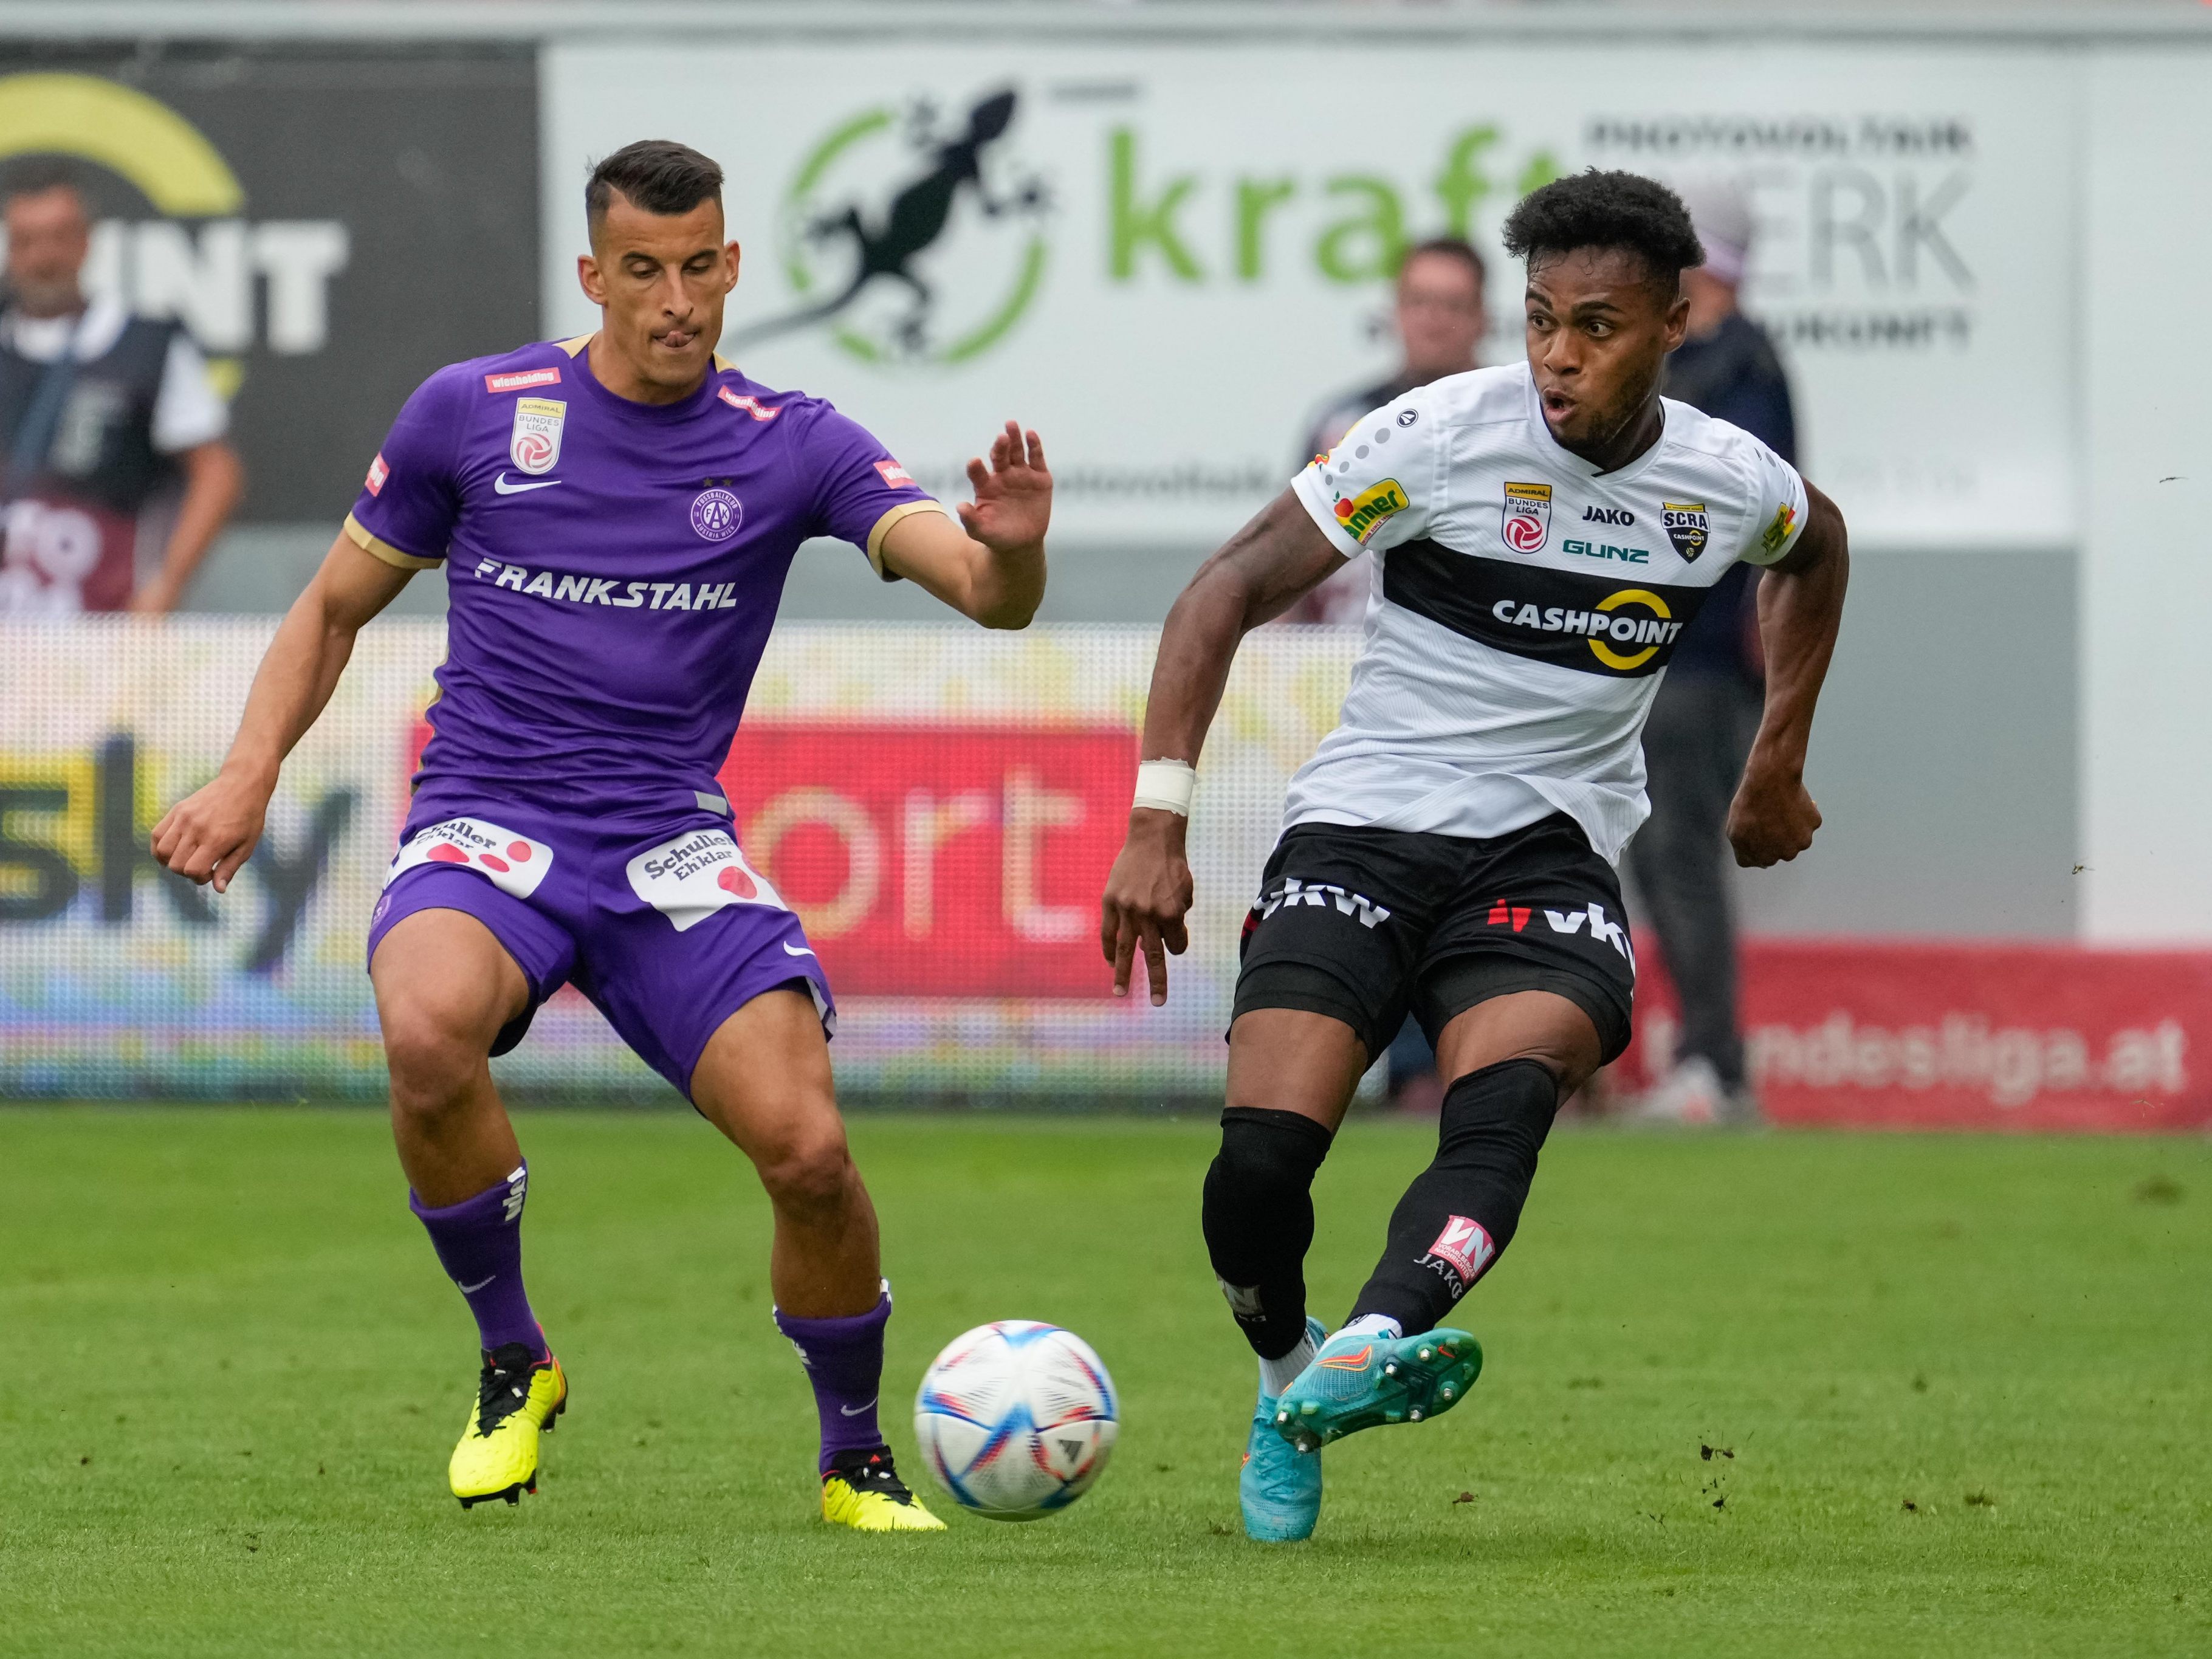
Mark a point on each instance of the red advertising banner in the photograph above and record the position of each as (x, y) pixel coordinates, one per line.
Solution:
(939, 859)
(2013, 1036)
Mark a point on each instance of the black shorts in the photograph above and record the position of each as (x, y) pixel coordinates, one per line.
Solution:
(1365, 925)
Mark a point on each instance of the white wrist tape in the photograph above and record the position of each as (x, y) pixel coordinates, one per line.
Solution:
(1166, 786)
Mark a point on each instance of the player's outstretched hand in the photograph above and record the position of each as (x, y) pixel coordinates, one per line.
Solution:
(1013, 493)
(1772, 819)
(1148, 894)
(209, 835)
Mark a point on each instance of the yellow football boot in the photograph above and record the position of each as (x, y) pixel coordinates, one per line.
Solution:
(862, 1490)
(518, 1397)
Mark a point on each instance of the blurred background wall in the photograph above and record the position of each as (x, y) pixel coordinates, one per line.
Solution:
(1960, 212)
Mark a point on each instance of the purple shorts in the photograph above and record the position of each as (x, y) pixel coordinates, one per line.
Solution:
(668, 931)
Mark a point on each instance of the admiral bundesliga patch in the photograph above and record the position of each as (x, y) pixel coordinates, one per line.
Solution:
(513, 864)
(1527, 521)
(690, 878)
(1686, 528)
(535, 443)
(1367, 512)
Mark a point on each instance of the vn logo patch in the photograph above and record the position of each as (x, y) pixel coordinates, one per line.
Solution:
(1366, 512)
(1466, 1247)
(1686, 528)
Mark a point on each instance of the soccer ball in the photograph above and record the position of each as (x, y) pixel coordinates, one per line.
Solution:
(1016, 1418)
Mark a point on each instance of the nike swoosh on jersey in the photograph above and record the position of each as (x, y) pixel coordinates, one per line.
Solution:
(793, 950)
(501, 485)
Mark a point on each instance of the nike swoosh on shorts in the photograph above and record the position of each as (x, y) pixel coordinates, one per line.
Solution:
(501, 487)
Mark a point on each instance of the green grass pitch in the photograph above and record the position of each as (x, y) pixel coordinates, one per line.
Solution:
(1776, 1394)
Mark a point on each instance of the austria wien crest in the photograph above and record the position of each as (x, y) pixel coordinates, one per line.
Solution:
(535, 445)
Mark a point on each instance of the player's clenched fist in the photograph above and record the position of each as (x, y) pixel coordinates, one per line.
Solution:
(1772, 819)
(209, 835)
(1148, 894)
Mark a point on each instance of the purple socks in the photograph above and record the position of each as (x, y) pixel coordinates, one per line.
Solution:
(479, 1241)
(844, 1361)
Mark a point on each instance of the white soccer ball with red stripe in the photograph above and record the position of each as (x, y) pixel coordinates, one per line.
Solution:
(1016, 1420)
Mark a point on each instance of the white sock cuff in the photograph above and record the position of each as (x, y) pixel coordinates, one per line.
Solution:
(1276, 1375)
(1373, 1325)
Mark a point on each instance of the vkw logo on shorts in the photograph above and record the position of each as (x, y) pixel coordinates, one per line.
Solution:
(1686, 528)
(716, 514)
(1526, 523)
(534, 445)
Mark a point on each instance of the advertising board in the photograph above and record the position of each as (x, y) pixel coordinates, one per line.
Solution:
(1166, 259)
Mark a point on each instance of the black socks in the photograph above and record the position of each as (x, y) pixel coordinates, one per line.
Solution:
(1461, 1212)
(1259, 1221)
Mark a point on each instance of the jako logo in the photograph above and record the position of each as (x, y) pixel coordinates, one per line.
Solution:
(1608, 515)
(199, 261)
(886, 188)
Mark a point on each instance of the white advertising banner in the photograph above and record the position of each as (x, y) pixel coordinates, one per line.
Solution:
(1166, 257)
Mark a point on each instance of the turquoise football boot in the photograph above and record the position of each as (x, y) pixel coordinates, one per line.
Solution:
(1279, 1487)
(1359, 1383)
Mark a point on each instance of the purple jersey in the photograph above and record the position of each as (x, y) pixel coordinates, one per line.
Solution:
(613, 566)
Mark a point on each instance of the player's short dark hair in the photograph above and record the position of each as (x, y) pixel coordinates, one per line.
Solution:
(36, 177)
(1599, 209)
(1451, 247)
(657, 175)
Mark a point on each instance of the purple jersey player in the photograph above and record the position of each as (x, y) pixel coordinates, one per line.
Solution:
(614, 516)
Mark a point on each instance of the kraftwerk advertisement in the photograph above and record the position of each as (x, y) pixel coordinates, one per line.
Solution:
(940, 806)
(330, 225)
(1166, 257)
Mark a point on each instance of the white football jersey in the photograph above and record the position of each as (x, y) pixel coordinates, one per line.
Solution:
(1523, 605)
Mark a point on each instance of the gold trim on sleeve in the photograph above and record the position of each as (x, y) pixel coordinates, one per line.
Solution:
(377, 547)
(883, 526)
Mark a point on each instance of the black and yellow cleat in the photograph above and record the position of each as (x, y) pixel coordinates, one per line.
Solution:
(518, 1397)
(862, 1490)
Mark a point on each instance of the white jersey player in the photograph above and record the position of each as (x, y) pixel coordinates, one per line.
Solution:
(1540, 535)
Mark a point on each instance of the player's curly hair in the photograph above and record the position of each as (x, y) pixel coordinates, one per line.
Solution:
(1608, 209)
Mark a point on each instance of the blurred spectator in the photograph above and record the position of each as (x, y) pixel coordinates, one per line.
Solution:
(1707, 707)
(99, 412)
(1440, 321)
(1440, 318)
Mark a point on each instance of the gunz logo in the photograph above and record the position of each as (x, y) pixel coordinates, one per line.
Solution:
(939, 271)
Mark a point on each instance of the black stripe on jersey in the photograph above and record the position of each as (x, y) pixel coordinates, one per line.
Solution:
(1597, 624)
